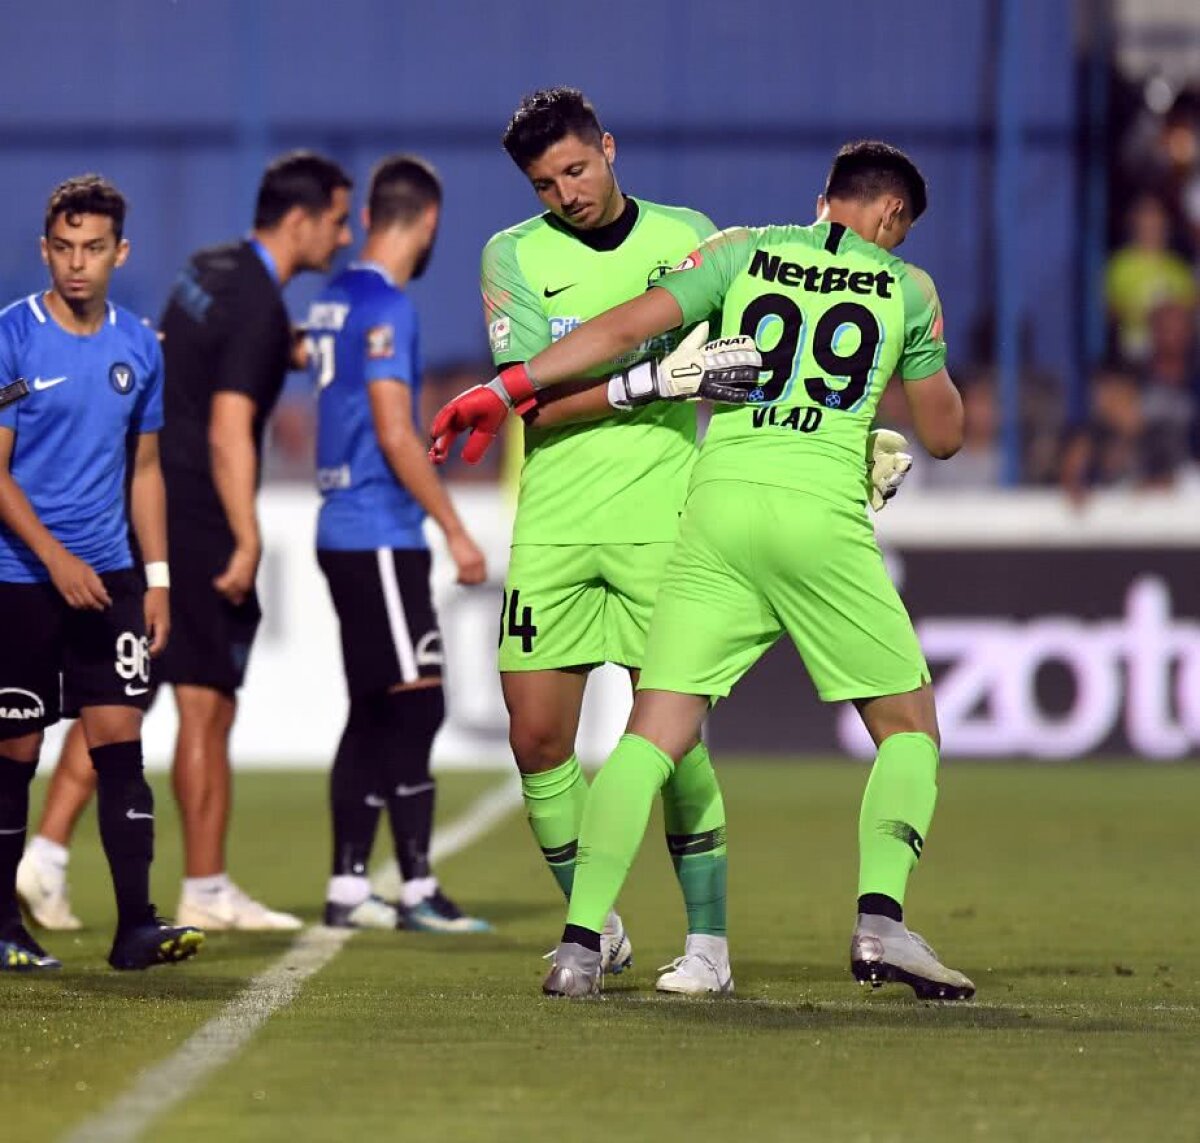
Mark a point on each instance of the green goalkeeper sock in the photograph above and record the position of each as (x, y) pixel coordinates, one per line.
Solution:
(897, 808)
(554, 801)
(614, 823)
(694, 816)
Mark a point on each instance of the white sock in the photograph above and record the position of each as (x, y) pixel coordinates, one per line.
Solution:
(209, 886)
(347, 889)
(713, 948)
(47, 852)
(416, 890)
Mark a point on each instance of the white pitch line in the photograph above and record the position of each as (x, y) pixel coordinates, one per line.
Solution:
(166, 1084)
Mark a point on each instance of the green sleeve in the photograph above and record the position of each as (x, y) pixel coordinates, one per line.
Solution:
(700, 282)
(516, 323)
(924, 344)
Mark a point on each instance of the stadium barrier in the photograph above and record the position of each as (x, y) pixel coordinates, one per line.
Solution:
(1051, 633)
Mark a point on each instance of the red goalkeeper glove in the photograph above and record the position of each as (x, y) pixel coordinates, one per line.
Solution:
(481, 412)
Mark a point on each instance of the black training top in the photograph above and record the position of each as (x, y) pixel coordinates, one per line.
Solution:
(225, 330)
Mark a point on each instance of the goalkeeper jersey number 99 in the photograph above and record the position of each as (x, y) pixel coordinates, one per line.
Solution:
(621, 479)
(834, 317)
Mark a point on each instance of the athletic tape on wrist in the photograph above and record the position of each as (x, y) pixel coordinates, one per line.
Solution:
(158, 574)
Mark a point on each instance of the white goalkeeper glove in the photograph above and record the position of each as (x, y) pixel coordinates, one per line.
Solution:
(887, 465)
(723, 370)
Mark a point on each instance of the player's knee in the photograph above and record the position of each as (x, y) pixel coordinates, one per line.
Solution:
(23, 748)
(539, 743)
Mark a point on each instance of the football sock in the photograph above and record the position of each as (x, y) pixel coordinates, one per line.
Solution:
(354, 794)
(554, 801)
(614, 823)
(411, 720)
(203, 889)
(49, 855)
(347, 889)
(897, 808)
(694, 816)
(14, 818)
(125, 806)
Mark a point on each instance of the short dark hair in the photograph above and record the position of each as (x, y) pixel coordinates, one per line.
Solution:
(87, 194)
(402, 186)
(301, 178)
(868, 168)
(544, 118)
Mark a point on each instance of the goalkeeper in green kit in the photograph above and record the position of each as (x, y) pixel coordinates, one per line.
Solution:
(774, 536)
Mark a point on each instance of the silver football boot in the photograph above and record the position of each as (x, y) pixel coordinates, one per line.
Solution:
(883, 951)
(575, 972)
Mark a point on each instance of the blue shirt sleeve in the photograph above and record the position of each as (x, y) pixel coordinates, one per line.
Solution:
(10, 370)
(148, 416)
(390, 342)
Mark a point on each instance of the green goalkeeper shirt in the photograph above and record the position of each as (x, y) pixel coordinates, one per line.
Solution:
(834, 316)
(621, 479)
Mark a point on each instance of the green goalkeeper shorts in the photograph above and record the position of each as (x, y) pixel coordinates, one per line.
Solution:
(754, 561)
(577, 605)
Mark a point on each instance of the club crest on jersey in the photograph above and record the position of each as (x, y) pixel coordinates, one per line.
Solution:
(659, 271)
(381, 342)
(121, 378)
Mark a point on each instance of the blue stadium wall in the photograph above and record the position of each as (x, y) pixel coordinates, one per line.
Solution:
(733, 109)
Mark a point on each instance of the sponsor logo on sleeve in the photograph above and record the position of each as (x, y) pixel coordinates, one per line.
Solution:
(381, 342)
(500, 334)
(693, 260)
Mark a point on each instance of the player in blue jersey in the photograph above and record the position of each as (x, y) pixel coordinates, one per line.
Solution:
(377, 487)
(80, 623)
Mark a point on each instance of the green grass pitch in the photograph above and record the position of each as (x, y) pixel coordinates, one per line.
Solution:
(1068, 893)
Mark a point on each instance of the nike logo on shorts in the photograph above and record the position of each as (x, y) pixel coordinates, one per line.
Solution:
(134, 816)
(408, 791)
(133, 691)
(40, 383)
(374, 800)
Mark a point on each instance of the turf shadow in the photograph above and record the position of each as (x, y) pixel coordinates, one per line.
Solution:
(898, 1011)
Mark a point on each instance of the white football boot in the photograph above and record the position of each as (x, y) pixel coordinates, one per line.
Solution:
(42, 888)
(616, 950)
(703, 968)
(231, 908)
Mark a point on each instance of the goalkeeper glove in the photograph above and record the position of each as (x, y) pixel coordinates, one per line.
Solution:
(887, 465)
(481, 411)
(723, 370)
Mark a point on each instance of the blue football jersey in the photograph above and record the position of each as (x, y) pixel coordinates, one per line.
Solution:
(88, 395)
(361, 329)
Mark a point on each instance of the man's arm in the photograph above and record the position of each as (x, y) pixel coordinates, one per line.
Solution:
(404, 449)
(571, 403)
(235, 477)
(937, 413)
(76, 581)
(148, 514)
(614, 333)
(936, 407)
